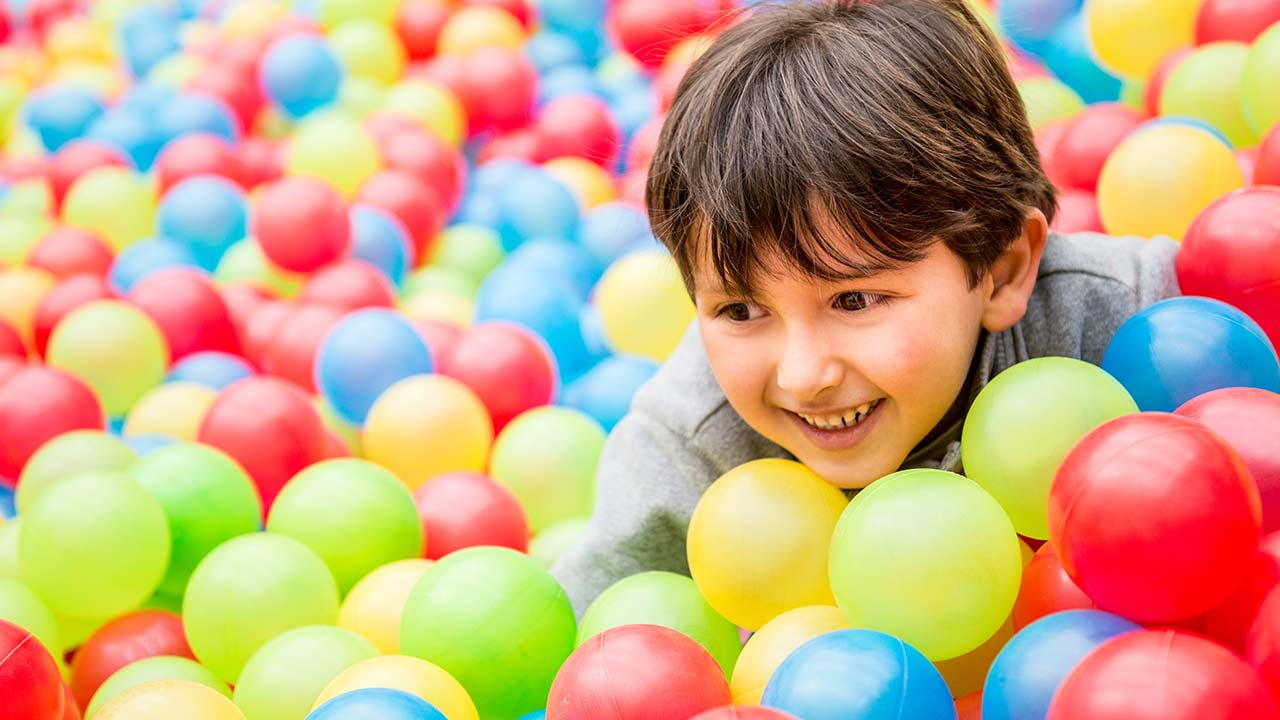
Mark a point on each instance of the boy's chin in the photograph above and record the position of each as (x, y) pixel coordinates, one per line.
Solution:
(846, 475)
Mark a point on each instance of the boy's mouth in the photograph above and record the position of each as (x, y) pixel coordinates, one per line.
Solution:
(838, 431)
(839, 421)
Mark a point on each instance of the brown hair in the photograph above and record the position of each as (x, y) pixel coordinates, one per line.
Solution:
(895, 121)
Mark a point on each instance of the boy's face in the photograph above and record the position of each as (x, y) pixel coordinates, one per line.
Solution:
(848, 376)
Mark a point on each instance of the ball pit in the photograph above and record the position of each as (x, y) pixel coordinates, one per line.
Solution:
(374, 607)
(32, 687)
(160, 699)
(124, 641)
(379, 703)
(160, 667)
(465, 509)
(284, 677)
(407, 674)
(765, 650)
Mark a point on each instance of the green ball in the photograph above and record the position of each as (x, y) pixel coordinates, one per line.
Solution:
(438, 278)
(929, 557)
(245, 262)
(160, 667)
(70, 454)
(115, 348)
(9, 548)
(208, 499)
(249, 590)
(669, 600)
(22, 607)
(1048, 100)
(283, 679)
(355, 515)
(1207, 85)
(547, 457)
(1025, 421)
(1258, 83)
(549, 545)
(495, 621)
(473, 249)
(95, 545)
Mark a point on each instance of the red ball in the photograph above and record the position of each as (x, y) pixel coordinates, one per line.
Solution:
(1267, 171)
(667, 675)
(465, 509)
(1229, 623)
(291, 352)
(1155, 517)
(68, 251)
(262, 161)
(667, 81)
(77, 158)
(1249, 420)
(498, 88)
(969, 707)
(744, 712)
(70, 710)
(418, 23)
(525, 143)
(1047, 139)
(648, 29)
(11, 344)
(349, 285)
(36, 405)
(1232, 253)
(1247, 159)
(1046, 589)
(644, 144)
(430, 159)
(1262, 647)
(188, 309)
(258, 333)
(30, 684)
(198, 154)
(519, 9)
(62, 299)
(581, 126)
(301, 224)
(238, 90)
(269, 427)
(1240, 20)
(1164, 675)
(1077, 212)
(1155, 85)
(509, 369)
(10, 366)
(126, 639)
(412, 202)
(1087, 142)
(441, 337)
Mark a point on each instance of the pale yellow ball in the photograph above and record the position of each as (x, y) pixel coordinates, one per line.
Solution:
(426, 425)
(409, 674)
(644, 305)
(374, 606)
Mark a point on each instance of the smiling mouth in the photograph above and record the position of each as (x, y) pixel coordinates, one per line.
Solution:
(840, 421)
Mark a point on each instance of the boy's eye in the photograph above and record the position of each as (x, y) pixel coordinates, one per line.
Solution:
(737, 312)
(856, 301)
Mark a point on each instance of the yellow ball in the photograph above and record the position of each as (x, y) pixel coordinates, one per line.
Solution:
(170, 699)
(440, 305)
(591, 184)
(361, 96)
(1132, 36)
(1260, 101)
(644, 305)
(21, 290)
(174, 410)
(1159, 179)
(779, 637)
(410, 674)
(374, 606)
(118, 204)
(334, 13)
(758, 541)
(31, 198)
(252, 19)
(77, 37)
(426, 425)
(117, 350)
(431, 104)
(369, 50)
(245, 262)
(333, 147)
(1206, 85)
(475, 27)
(18, 234)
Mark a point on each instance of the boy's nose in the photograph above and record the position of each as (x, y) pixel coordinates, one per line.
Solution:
(807, 367)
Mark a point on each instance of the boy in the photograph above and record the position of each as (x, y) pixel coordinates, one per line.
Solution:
(854, 196)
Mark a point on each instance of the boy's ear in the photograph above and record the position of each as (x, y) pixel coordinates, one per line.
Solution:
(1012, 277)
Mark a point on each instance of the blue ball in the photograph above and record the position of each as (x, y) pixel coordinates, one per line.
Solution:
(192, 112)
(1028, 671)
(62, 113)
(605, 391)
(129, 130)
(1182, 347)
(548, 50)
(494, 175)
(376, 704)
(380, 240)
(535, 204)
(7, 508)
(146, 444)
(145, 257)
(149, 97)
(1070, 57)
(569, 80)
(367, 352)
(573, 16)
(211, 368)
(559, 258)
(300, 74)
(477, 208)
(547, 306)
(860, 674)
(611, 230)
(535, 715)
(633, 107)
(147, 34)
(1030, 24)
(207, 213)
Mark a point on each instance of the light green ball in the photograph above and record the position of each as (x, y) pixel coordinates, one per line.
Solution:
(440, 278)
(669, 600)
(9, 548)
(473, 249)
(208, 499)
(1025, 421)
(70, 454)
(331, 145)
(927, 556)
(115, 348)
(549, 545)
(160, 667)
(22, 607)
(283, 679)
(245, 262)
(94, 545)
(249, 590)
(1258, 82)
(547, 457)
(1048, 100)
(357, 516)
(495, 621)
(1206, 85)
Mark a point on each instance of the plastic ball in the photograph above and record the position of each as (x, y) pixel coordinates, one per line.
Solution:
(291, 350)
(69, 454)
(375, 605)
(913, 536)
(734, 712)
(858, 673)
(1207, 85)
(301, 224)
(150, 669)
(510, 369)
(114, 347)
(1132, 38)
(1163, 517)
(246, 263)
(418, 23)
(1261, 108)
(95, 545)
(605, 391)
(210, 368)
(1046, 589)
(536, 205)
(1234, 20)
(189, 309)
(407, 674)
(77, 158)
(196, 112)
(269, 427)
(20, 606)
(498, 89)
(348, 285)
(1025, 421)
(432, 105)
(1177, 349)
(161, 699)
(285, 676)
(369, 50)
(377, 702)
(173, 410)
(648, 280)
(772, 643)
(1247, 419)
(1148, 674)
(547, 457)
(670, 675)
(30, 685)
(198, 154)
(1262, 648)
(411, 201)
(300, 73)
(425, 426)
(1229, 623)
(407, 146)
(1048, 100)
(61, 114)
(1071, 58)
(334, 148)
(581, 126)
(554, 542)
(548, 306)
(380, 239)
(1174, 170)
(67, 251)
(472, 28)
(367, 352)
(466, 509)
(121, 642)
(1088, 140)
(22, 290)
(116, 203)
(36, 405)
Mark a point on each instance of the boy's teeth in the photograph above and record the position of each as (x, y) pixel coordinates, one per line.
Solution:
(835, 422)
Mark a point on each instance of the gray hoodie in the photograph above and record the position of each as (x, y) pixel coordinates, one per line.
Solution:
(682, 434)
